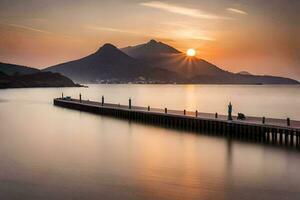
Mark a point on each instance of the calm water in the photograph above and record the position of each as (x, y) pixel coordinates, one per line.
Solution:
(48, 152)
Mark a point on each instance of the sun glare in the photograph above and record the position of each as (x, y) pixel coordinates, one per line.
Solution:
(191, 52)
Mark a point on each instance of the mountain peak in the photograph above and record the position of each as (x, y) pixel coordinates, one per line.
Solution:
(109, 52)
(107, 46)
(108, 49)
(152, 41)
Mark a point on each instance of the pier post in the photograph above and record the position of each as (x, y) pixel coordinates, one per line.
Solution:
(80, 97)
(288, 121)
(229, 118)
(166, 110)
(263, 120)
(102, 102)
(196, 113)
(148, 108)
(129, 102)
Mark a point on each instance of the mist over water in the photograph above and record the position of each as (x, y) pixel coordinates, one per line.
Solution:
(48, 152)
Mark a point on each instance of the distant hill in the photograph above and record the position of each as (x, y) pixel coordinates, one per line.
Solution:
(242, 79)
(109, 64)
(3, 76)
(16, 76)
(244, 73)
(11, 69)
(40, 79)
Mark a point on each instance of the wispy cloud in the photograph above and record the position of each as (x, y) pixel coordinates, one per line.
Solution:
(238, 11)
(111, 29)
(29, 28)
(191, 12)
(205, 38)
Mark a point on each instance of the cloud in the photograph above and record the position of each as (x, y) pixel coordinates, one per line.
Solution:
(234, 10)
(38, 30)
(29, 28)
(206, 38)
(191, 12)
(111, 29)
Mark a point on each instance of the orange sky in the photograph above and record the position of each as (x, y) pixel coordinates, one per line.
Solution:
(261, 37)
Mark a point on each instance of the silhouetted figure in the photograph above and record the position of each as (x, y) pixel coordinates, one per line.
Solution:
(148, 108)
(216, 115)
(80, 97)
(241, 116)
(102, 103)
(288, 121)
(263, 120)
(230, 111)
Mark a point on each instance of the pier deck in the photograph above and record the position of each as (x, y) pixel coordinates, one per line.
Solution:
(273, 130)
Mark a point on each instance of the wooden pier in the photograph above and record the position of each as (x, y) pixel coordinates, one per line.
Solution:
(264, 130)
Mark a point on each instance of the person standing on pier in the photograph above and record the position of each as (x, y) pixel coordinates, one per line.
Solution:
(230, 111)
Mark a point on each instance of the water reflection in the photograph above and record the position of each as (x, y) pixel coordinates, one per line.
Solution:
(48, 152)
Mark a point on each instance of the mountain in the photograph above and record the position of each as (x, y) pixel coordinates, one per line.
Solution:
(11, 69)
(40, 79)
(109, 64)
(160, 55)
(153, 62)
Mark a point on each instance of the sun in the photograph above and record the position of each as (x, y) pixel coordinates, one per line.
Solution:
(191, 52)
